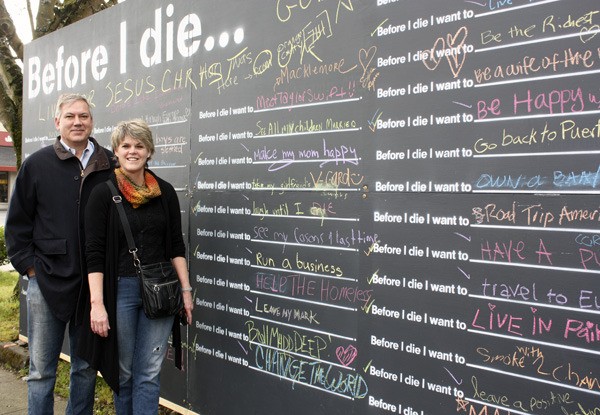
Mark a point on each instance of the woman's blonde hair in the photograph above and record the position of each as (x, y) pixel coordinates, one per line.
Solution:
(136, 129)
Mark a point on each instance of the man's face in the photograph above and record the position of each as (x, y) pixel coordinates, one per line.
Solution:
(75, 124)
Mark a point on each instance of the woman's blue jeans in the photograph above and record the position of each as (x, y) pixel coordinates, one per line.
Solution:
(45, 335)
(142, 346)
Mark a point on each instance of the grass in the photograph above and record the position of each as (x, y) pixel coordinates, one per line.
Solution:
(9, 331)
(9, 307)
(103, 394)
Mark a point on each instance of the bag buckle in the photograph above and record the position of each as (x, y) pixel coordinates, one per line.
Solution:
(136, 261)
(117, 199)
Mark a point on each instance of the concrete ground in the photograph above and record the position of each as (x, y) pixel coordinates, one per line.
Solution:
(13, 388)
(13, 395)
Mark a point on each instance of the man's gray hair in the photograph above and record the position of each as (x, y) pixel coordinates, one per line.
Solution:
(68, 99)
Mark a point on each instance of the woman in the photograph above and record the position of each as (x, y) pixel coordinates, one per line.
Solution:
(121, 342)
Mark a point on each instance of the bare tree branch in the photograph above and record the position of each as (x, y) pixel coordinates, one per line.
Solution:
(55, 15)
(11, 97)
(8, 32)
(45, 18)
(30, 15)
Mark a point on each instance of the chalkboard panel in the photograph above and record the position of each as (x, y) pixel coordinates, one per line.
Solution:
(390, 206)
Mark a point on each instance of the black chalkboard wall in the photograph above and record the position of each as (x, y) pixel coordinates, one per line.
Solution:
(392, 205)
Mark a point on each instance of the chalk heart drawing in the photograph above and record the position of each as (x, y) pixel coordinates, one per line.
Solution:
(588, 34)
(433, 61)
(366, 56)
(457, 60)
(456, 57)
(346, 355)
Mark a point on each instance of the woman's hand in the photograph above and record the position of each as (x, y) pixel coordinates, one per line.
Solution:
(98, 315)
(180, 265)
(99, 320)
(188, 305)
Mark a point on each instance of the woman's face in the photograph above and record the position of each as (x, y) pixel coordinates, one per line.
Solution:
(132, 155)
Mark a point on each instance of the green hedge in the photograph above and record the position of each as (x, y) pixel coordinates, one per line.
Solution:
(3, 256)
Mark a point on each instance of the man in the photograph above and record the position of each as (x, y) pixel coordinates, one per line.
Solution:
(44, 238)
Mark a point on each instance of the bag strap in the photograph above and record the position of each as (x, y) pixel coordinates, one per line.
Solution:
(175, 331)
(128, 235)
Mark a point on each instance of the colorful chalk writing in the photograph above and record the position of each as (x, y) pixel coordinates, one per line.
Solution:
(390, 206)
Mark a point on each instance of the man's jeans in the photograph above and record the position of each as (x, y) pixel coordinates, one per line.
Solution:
(142, 347)
(45, 335)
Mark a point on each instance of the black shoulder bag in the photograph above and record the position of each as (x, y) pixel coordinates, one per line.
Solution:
(160, 288)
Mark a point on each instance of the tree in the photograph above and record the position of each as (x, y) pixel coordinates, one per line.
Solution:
(52, 15)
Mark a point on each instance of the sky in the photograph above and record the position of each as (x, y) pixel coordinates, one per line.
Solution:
(18, 11)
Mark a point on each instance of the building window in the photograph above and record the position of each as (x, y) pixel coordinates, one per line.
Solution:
(3, 187)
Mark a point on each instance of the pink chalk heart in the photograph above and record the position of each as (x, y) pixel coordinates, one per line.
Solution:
(346, 355)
